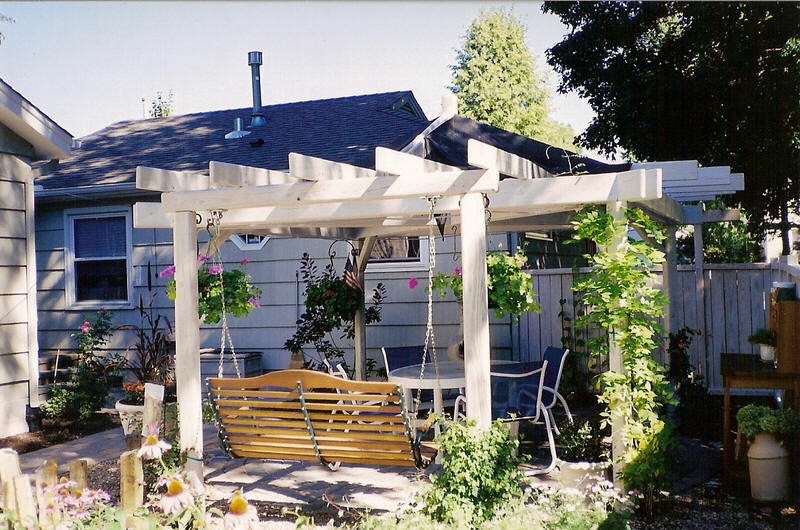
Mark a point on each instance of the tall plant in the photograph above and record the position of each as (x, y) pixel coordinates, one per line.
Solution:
(624, 303)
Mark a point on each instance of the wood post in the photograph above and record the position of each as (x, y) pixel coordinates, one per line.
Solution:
(187, 336)
(700, 302)
(617, 211)
(45, 476)
(153, 409)
(476, 310)
(364, 250)
(9, 468)
(78, 472)
(131, 481)
(669, 283)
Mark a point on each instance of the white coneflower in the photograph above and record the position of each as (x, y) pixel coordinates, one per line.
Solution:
(177, 496)
(241, 515)
(152, 448)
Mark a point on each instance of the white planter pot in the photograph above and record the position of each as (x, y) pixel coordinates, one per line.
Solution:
(131, 417)
(768, 464)
(767, 353)
(583, 475)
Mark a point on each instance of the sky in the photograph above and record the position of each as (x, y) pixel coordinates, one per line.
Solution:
(90, 64)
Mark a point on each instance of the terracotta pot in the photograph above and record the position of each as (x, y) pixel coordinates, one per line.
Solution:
(768, 464)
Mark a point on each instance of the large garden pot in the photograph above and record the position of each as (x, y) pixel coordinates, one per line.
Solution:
(131, 417)
(583, 475)
(768, 464)
(766, 353)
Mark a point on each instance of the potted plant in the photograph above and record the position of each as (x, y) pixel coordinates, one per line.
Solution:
(331, 303)
(152, 361)
(583, 455)
(510, 287)
(217, 287)
(767, 340)
(768, 459)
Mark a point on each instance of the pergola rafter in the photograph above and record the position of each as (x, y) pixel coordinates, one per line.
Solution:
(325, 199)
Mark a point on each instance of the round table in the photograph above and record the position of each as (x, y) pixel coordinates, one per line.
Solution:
(450, 375)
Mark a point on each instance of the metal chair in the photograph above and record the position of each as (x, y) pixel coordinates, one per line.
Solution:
(517, 395)
(399, 356)
(555, 358)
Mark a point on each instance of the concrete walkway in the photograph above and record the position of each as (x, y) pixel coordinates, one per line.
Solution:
(290, 482)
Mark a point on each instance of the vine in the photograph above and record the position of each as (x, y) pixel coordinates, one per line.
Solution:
(625, 305)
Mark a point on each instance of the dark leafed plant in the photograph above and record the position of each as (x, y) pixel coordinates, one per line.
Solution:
(152, 360)
(330, 304)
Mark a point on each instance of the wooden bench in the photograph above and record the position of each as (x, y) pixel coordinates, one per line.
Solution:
(308, 415)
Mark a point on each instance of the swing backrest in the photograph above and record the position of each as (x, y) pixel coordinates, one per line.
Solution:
(308, 415)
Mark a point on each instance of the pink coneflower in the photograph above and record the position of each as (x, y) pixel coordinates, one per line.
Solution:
(457, 270)
(86, 326)
(177, 496)
(215, 270)
(412, 283)
(169, 271)
(253, 302)
(202, 258)
(152, 448)
(240, 516)
(244, 261)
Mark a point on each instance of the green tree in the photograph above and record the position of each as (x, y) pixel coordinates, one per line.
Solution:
(495, 80)
(161, 106)
(718, 82)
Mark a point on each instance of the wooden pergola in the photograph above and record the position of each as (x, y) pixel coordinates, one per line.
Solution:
(324, 199)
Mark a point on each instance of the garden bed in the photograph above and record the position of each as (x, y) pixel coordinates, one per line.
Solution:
(55, 431)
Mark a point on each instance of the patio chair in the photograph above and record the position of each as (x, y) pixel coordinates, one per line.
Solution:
(555, 358)
(399, 356)
(513, 402)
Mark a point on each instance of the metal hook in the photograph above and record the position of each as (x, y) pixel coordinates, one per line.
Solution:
(332, 253)
(456, 257)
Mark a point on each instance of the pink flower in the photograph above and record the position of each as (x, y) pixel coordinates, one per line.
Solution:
(152, 448)
(412, 283)
(253, 302)
(457, 270)
(202, 258)
(169, 271)
(215, 270)
(86, 326)
(241, 515)
(177, 496)
(244, 261)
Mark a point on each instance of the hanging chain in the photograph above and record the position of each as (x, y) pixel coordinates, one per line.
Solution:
(430, 337)
(213, 227)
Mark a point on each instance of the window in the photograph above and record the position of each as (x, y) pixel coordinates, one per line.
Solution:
(98, 256)
(249, 241)
(399, 253)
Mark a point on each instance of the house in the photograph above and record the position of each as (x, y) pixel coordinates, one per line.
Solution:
(91, 257)
(27, 137)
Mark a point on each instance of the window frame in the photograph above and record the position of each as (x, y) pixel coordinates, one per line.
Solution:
(404, 266)
(70, 286)
(241, 244)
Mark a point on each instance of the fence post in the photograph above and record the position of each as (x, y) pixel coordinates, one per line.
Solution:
(131, 481)
(45, 476)
(9, 468)
(78, 471)
(153, 409)
(20, 500)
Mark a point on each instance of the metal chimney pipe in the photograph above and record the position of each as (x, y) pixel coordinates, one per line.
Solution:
(257, 118)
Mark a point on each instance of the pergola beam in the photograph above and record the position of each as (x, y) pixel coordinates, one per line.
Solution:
(391, 162)
(313, 168)
(484, 155)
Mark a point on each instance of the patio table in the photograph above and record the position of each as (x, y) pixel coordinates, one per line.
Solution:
(450, 375)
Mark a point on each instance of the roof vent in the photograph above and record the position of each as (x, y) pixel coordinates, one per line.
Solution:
(257, 118)
(77, 143)
(238, 130)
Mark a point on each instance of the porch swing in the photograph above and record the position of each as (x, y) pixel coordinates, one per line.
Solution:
(309, 415)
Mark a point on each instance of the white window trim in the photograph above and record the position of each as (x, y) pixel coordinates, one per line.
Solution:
(241, 244)
(69, 255)
(404, 266)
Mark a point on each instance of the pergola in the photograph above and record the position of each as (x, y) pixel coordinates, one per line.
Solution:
(324, 199)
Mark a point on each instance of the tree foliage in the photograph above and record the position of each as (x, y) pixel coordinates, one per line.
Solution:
(718, 82)
(495, 80)
(4, 18)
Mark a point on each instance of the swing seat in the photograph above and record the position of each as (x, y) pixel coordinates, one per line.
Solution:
(308, 415)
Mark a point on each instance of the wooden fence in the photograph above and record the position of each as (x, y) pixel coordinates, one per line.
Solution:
(727, 305)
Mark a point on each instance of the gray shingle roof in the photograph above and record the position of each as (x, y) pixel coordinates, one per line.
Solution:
(343, 130)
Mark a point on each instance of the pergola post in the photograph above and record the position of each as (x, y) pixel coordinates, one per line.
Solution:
(364, 250)
(476, 312)
(616, 210)
(187, 343)
(669, 283)
(700, 300)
